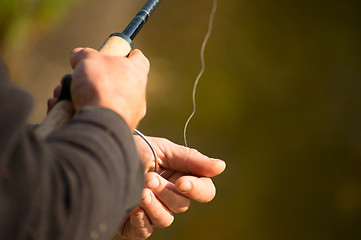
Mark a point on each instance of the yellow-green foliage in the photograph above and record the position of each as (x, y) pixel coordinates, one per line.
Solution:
(23, 20)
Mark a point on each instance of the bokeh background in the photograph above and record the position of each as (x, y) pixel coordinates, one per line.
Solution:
(280, 101)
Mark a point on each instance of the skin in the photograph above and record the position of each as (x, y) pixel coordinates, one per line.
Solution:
(183, 173)
(117, 83)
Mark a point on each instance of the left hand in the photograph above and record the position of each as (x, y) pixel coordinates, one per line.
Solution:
(52, 101)
(184, 174)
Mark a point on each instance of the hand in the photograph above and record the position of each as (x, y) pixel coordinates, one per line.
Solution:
(184, 174)
(117, 83)
(52, 101)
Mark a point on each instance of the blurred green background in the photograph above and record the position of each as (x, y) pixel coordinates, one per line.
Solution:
(280, 102)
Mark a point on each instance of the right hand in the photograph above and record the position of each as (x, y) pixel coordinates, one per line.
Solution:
(117, 83)
(183, 174)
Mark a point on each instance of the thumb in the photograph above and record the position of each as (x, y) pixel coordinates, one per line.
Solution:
(190, 161)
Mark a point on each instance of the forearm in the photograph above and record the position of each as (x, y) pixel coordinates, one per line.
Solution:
(83, 179)
(101, 142)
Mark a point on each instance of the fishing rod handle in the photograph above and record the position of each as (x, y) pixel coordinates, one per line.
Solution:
(117, 44)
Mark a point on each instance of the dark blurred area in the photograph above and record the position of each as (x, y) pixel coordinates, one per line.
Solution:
(280, 102)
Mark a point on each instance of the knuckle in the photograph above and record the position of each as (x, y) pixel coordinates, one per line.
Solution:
(164, 142)
(94, 57)
(151, 176)
(142, 61)
(192, 152)
(172, 200)
(147, 198)
(120, 61)
(146, 63)
(189, 154)
(87, 65)
(88, 50)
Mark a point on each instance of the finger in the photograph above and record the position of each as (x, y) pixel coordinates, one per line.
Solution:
(145, 153)
(138, 225)
(187, 160)
(174, 177)
(57, 91)
(157, 213)
(77, 50)
(137, 57)
(199, 189)
(51, 103)
(165, 173)
(79, 54)
(167, 193)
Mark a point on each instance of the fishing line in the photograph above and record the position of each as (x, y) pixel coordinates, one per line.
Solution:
(140, 134)
(204, 44)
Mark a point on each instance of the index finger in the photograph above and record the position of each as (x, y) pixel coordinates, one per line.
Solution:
(136, 56)
(179, 158)
(79, 54)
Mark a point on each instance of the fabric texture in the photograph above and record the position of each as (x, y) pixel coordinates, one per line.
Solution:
(79, 183)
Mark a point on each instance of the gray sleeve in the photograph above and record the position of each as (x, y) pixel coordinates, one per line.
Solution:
(79, 183)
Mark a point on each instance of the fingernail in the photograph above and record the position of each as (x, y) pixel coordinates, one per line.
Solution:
(146, 199)
(154, 183)
(223, 164)
(76, 50)
(186, 186)
(220, 162)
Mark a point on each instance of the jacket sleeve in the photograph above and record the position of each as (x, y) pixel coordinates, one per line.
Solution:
(79, 183)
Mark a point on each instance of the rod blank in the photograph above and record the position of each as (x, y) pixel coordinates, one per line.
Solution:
(140, 19)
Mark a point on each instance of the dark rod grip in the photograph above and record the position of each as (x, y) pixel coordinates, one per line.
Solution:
(65, 93)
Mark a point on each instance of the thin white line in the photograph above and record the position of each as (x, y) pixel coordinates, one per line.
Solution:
(139, 133)
(210, 27)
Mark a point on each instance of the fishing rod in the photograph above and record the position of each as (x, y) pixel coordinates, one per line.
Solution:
(117, 44)
(120, 44)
